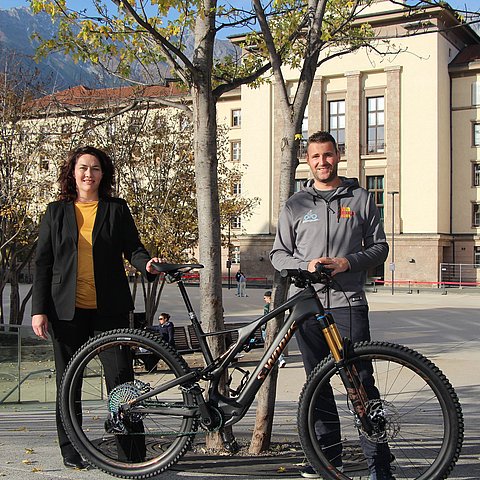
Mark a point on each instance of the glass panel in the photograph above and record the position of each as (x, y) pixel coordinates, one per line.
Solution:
(380, 118)
(341, 106)
(341, 122)
(333, 122)
(333, 107)
(372, 119)
(380, 103)
(371, 104)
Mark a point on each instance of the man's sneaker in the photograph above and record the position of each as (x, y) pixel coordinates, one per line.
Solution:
(282, 363)
(308, 472)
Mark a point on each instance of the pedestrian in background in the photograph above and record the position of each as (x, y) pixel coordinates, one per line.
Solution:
(243, 285)
(237, 279)
(80, 287)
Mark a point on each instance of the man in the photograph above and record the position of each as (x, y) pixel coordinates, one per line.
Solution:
(333, 221)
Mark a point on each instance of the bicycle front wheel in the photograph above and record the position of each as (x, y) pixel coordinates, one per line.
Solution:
(417, 408)
(111, 370)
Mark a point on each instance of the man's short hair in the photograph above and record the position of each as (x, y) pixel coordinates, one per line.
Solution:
(268, 293)
(322, 137)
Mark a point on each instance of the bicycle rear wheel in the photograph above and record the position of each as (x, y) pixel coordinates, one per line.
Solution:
(419, 411)
(106, 373)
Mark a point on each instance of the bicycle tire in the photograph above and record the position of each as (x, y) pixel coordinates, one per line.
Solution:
(138, 445)
(423, 416)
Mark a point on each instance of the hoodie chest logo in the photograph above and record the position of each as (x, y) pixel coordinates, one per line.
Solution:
(345, 212)
(310, 217)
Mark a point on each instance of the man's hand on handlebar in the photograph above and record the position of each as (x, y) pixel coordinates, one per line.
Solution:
(335, 264)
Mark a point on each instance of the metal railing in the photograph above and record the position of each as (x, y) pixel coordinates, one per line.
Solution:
(460, 274)
(27, 367)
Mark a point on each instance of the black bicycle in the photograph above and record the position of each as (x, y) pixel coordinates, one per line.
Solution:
(147, 421)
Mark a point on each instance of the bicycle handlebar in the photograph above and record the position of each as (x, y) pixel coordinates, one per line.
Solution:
(303, 277)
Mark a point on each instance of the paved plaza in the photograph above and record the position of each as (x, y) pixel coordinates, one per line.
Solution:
(446, 328)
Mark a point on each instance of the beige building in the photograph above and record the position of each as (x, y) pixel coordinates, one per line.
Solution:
(408, 124)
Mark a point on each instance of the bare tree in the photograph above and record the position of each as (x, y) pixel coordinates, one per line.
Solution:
(24, 176)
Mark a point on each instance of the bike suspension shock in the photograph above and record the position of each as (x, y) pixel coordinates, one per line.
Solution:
(348, 373)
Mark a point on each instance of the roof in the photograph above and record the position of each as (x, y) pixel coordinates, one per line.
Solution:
(82, 96)
(470, 53)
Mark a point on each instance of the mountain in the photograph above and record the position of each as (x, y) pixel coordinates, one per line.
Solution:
(59, 71)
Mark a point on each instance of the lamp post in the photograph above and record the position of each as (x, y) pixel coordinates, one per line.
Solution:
(392, 263)
(229, 260)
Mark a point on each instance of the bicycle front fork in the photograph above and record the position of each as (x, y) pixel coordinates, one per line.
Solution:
(348, 373)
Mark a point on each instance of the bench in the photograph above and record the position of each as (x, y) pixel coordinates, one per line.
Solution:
(259, 342)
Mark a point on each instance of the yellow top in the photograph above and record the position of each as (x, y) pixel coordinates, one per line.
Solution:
(86, 296)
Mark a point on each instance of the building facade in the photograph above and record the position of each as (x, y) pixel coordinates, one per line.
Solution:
(408, 126)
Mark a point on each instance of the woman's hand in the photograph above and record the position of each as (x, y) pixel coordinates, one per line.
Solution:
(151, 269)
(40, 325)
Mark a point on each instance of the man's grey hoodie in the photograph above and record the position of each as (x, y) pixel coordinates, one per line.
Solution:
(348, 225)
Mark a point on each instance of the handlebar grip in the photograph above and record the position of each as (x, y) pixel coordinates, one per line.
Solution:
(290, 272)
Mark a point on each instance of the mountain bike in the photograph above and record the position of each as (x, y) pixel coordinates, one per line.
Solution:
(146, 422)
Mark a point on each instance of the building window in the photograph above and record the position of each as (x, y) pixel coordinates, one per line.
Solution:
(298, 184)
(476, 174)
(476, 257)
(236, 222)
(235, 258)
(336, 122)
(375, 186)
(376, 125)
(237, 188)
(476, 134)
(236, 118)
(305, 124)
(475, 94)
(236, 151)
(44, 163)
(476, 215)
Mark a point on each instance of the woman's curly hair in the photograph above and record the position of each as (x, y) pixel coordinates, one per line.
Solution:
(66, 179)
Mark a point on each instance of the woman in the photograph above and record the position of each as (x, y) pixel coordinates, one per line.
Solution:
(166, 329)
(80, 287)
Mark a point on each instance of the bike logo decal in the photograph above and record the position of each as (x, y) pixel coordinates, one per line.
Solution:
(276, 353)
(310, 217)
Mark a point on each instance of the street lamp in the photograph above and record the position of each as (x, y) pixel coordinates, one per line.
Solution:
(229, 252)
(392, 263)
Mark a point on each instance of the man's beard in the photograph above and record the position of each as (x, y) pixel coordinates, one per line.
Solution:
(333, 175)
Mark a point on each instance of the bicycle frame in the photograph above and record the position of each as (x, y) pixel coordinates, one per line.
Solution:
(302, 305)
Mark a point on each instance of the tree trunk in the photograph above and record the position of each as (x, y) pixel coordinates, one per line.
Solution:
(14, 298)
(206, 177)
(262, 432)
(23, 306)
